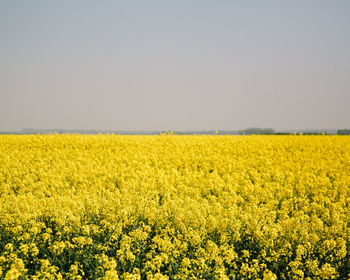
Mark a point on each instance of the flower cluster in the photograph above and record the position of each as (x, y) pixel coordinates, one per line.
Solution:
(174, 207)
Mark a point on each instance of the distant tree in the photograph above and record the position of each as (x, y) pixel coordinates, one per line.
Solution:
(343, 131)
(257, 130)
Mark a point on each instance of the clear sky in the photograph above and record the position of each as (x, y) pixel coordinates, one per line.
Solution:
(149, 65)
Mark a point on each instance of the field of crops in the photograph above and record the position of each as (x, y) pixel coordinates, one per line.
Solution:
(174, 207)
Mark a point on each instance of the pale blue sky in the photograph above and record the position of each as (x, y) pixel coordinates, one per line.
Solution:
(149, 65)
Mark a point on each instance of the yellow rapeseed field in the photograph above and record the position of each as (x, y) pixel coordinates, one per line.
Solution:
(174, 207)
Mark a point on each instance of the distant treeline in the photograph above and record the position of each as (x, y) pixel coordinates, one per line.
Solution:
(343, 132)
(258, 131)
(248, 131)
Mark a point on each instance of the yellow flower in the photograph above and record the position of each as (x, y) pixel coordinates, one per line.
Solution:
(183, 207)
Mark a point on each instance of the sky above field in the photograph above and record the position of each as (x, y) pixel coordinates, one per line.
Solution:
(182, 65)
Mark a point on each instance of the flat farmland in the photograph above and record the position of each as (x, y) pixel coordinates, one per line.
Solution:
(174, 207)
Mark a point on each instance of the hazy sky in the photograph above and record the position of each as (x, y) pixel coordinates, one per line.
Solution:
(148, 65)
